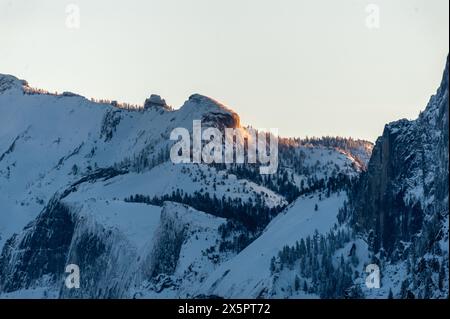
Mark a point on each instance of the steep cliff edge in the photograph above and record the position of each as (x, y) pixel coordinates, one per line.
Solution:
(401, 202)
(407, 176)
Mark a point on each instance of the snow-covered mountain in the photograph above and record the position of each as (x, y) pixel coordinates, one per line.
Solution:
(395, 216)
(91, 184)
(401, 202)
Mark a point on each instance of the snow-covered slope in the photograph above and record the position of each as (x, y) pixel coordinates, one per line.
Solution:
(48, 141)
(91, 184)
(248, 274)
(84, 167)
(117, 246)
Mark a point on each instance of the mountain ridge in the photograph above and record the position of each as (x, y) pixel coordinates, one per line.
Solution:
(105, 196)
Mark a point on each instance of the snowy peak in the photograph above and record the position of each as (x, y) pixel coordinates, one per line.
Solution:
(437, 108)
(211, 111)
(8, 82)
(155, 102)
(444, 82)
(204, 100)
(197, 107)
(205, 103)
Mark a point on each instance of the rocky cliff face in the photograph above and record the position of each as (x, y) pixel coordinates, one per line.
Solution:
(110, 262)
(40, 250)
(218, 115)
(58, 237)
(407, 177)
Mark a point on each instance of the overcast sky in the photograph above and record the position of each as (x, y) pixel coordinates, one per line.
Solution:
(305, 67)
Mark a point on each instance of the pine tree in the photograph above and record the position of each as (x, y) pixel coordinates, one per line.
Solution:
(272, 265)
(297, 283)
(404, 289)
(74, 169)
(390, 295)
(441, 277)
(428, 287)
(354, 259)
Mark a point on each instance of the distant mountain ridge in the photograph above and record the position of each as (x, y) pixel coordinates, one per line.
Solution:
(92, 184)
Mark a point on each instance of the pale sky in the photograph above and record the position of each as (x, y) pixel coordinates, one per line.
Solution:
(305, 67)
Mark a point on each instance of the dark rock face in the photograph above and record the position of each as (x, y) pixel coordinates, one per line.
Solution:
(407, 176)
(60, 236)
(104, 258)
(380, 203)
(217, 115)
(441, 190)
(166, 251)
(221, 120)
(109, 125)
(155, 102)
(40, 250)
